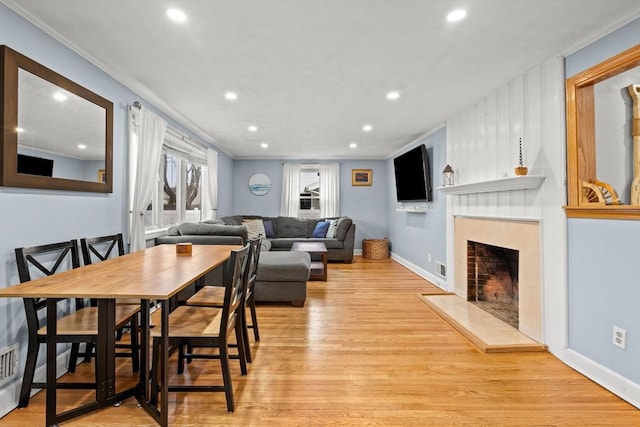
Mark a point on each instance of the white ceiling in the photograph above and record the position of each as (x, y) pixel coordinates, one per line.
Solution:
(311, 73)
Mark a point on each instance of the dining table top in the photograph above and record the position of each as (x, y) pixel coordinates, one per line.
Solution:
(158, 272)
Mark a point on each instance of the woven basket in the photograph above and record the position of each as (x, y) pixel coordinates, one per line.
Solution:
(375, 248)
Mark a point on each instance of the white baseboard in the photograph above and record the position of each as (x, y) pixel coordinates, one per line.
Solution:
(357, 251)
(436, 280)
(9, 395)
(612, 381)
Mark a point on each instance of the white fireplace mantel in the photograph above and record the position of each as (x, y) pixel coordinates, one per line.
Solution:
(527, 182)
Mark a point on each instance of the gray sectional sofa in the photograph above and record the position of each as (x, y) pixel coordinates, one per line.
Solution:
(287, 230)
(282, 275)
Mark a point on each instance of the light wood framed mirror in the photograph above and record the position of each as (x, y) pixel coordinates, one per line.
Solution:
(583, 154)
(56, 134)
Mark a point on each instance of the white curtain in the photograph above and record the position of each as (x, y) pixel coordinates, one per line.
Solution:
(329, 190)
(290, 203)
(210, 186)
(145, 151)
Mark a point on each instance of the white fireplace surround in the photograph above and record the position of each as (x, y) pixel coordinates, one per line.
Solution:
(523, 236)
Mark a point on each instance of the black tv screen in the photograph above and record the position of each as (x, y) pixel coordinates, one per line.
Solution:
(413, 176)
(35, 165)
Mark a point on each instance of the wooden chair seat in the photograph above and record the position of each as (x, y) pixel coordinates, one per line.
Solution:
(209, 296)
(190, 322)
(85, 320)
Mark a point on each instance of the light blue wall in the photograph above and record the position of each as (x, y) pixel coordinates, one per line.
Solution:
(415, 235)
(604, 290)
(32, 217)
(365, 205)
(603, 257)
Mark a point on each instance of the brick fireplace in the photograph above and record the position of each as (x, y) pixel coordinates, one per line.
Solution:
(509, 286)
(492, 280)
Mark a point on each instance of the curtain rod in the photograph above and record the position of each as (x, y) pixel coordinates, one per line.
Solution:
(175, 132)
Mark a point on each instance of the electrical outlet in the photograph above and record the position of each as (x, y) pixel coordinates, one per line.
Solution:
(429, 257)
(619, 337)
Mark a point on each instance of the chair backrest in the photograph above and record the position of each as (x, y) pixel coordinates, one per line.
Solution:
(235, 287)
(101, 248)
(44, 260)
(254, 257)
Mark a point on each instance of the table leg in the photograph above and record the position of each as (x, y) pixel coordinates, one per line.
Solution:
(143, 386)
(106, 351)
(52, 356)
(164, 372)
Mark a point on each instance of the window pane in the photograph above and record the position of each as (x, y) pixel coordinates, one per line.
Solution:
(193, 192)
(170, 173)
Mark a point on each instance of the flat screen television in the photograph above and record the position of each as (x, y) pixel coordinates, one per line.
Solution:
(35, 165)
(413, 176)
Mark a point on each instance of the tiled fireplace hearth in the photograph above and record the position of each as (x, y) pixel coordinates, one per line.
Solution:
(508, 283)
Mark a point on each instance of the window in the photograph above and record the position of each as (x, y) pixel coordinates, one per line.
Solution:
(309, 192)
(179, 187)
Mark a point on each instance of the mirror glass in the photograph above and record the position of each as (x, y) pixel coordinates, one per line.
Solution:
(56, 134)
(57, 125)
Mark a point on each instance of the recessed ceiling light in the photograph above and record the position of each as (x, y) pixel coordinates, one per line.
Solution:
(264, 145)
(176, 15)
(19, 130)
(82, 146)
(367, 128)
(393, 95)
(253, 128)
(231, 96)
(59, 96)
(456, 15)
(353, 145)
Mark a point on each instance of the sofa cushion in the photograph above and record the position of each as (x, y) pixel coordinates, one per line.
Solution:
(321, 229)
(291, 227)
(232, 220)
(191, 228)
(343, 226)
(283, 267)
(255, 228)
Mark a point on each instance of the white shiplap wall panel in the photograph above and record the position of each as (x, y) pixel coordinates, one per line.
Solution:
(482, 143)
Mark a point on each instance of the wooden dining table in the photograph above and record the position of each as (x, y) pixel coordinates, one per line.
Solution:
(158, 273)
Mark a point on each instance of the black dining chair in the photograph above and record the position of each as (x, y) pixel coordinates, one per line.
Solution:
(207, 327)
(213, 296)
(79, 325)
(97, 249)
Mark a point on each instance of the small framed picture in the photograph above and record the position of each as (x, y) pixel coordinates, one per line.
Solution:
(361, 176)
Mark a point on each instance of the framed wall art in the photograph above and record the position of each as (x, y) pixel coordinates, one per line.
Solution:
(361, 177)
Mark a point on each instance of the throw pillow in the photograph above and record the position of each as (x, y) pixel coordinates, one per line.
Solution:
(268, 228)
(321, 229)
(343, 227)
(255, 228)
(331, 231)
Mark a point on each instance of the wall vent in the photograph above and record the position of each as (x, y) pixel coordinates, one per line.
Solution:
(441, 269)
(9, 363)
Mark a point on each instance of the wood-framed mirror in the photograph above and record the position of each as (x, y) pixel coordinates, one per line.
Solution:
(56, 134)
(583, 155)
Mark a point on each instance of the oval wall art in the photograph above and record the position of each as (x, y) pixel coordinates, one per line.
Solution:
(259, 184)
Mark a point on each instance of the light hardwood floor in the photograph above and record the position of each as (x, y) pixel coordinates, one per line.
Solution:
(365, 351)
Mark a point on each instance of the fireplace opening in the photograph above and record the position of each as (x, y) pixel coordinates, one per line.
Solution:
(492, 282)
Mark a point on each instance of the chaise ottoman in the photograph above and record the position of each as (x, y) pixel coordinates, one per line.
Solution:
(282, 276)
